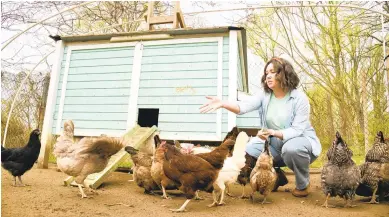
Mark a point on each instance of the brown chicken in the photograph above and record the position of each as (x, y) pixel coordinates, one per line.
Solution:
(157, 173)
(142, 170)
(89, 155)
(195, 172)
(264, 176)
(157, 168)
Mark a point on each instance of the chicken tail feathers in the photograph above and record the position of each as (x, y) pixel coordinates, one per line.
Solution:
(5, 153)
(102, 145)
(68, 129)
(239, 152)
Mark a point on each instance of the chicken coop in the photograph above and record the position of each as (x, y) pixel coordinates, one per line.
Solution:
(109, 83)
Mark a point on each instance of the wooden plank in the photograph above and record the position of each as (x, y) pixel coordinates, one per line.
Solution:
(98, 92)
(172, 100)
(181, 84)
(193, 66)
(150, 13)
(161, 20)
(88, 124)
(96, 100)
(181, 59)
(127, 67)
(101, 108)
(118, 76)
(76, 85)
(94, 116)
(122, 155)
(181, 19)
(100, 62)
(171, 91)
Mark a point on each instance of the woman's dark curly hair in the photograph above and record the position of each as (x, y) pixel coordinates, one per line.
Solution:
(286, 75)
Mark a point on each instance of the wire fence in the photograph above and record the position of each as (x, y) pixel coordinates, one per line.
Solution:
(28, 112)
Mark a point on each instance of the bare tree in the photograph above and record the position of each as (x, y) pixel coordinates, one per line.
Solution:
(333, 49)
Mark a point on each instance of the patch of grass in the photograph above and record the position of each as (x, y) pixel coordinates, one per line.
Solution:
(126, 163)
(52, 158)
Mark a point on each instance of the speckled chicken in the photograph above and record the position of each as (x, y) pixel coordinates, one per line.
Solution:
(263, 177)
(340, 175)
(380, 150)
(373, 182)
(87, 156)
(142, 170)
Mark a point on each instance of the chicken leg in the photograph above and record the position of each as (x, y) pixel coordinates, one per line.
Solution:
(83, 195)
(223, 190)
(20, 184)
(182, 208)
(215, 197)
(325, 204)
(349, 203)
(243, 196)
(228, 191)
(264, 200)
(164, 194)
(373, 197)
(197, 197)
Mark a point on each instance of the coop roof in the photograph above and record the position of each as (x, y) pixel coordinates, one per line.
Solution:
(171, 32)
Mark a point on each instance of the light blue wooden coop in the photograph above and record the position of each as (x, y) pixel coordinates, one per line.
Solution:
(109, 83)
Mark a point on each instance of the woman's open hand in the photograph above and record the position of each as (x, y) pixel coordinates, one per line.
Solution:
(213, 104)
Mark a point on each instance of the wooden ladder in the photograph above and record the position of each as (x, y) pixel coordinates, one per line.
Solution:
(135, 137)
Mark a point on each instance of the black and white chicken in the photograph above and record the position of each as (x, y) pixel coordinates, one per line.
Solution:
(373, 181)
(340, 175)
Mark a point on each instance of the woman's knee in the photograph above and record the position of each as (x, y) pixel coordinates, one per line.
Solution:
(296, 147)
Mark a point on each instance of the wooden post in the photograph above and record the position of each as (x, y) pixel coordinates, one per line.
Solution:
(46, 136)
(150, 14)
(177, 19)
(42, 106)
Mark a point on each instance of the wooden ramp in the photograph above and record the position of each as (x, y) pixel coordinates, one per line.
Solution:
(135, 138)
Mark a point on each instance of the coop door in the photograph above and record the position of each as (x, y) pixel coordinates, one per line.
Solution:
(148, 117)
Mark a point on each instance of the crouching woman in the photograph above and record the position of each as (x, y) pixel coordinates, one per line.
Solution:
(284, 111)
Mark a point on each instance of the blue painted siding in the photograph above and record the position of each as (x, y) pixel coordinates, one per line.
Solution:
(175, 78)
(97, 90)
(248, 120)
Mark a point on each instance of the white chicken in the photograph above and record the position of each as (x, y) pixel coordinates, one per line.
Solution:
(231, 169)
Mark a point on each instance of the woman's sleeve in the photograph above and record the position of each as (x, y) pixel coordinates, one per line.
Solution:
(251, 103)
(300, 121)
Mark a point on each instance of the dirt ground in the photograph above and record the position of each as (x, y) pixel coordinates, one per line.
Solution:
(46, 196)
